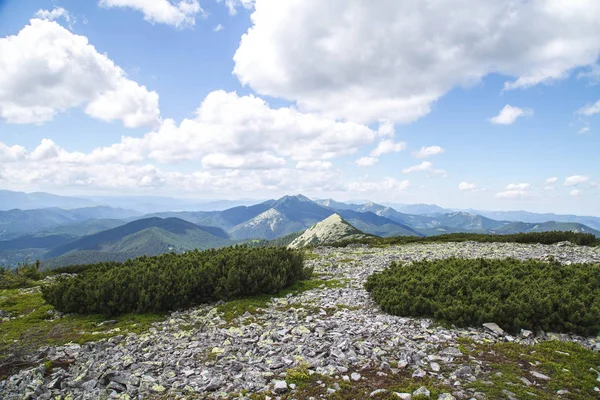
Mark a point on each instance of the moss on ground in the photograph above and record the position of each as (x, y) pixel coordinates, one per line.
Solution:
(35, 326)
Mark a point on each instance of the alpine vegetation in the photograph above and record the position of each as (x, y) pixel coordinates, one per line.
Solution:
(173, 281)
(532, 295)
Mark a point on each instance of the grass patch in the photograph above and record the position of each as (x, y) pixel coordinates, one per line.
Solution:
(35, 327)
(567, 364)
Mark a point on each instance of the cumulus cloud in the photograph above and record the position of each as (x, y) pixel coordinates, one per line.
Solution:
(181, 14)
(424, 166)
(575, 192)
(509, 114)
(576, 180)
(218, 28)
(233, 5)
(388, 146)
(429, 151)
(349, 68)
(590, 110)
(387, 185)
(55, 14)
(428, 167)
(516, 191)
(251, 161)
(367, 161)
(231, 131)
(467, 187)
(314, 165)
(45, 69)
(552, 181)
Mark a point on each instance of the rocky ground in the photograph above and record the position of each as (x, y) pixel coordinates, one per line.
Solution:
(331, 341)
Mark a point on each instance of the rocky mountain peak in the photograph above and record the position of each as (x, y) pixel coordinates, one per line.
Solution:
(332, 229)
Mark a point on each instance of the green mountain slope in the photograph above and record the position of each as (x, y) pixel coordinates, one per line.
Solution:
(146, 236)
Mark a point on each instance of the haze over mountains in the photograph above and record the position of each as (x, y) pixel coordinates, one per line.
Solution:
(69, 234)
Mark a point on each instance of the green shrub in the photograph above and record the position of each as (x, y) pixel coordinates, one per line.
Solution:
(552, 237)
(24, 275)
(514, 294)
(172, 281)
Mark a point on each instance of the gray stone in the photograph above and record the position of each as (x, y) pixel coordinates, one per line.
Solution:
(539, 375)
(355, 376)
(377, 392)
(419, 373)
(280, 386)
(494, 328)
(446, 396)
(422, 391)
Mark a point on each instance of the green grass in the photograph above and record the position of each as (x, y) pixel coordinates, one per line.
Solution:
(34, 328)
(510, 362)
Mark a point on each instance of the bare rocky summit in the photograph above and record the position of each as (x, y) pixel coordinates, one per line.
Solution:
(332, 229)
(334, 331)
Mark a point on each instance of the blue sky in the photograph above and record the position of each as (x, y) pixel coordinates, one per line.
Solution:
(330, 99)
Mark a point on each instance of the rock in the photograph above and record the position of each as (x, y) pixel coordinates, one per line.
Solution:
(419, 373)
(562, 392)
(280, 386)
(539, 375)
(377, 392)
(355, 376)
(464, 372)
(403, 396)
(422, 391)
(494, 328)
(89, 385)
(109, 322)
(435, 367)
(446, 396)
(526, 334)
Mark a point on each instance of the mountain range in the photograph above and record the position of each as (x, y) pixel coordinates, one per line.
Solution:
(101, 233)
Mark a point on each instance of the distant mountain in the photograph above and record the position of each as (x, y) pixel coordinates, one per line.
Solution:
(524, 227)
(337, 205)
(148, 236)
(525, 216)
(418, 209)
(18, 222)
(156, 204)
(332, 229)
(28, 201)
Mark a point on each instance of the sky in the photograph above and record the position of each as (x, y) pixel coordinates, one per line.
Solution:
(485, 104)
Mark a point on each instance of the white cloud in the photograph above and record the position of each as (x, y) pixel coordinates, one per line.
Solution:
(387, 146)
(428, 167)
(233, 5)
(424, 166)
(226, 123)
(429, 151)
(584, 129)
(386, 185)
(367, 161)
(181, 14)
(467, 187)
(576, 180)
(314, 165)
(345, 66)
(575, 192)
(509, 115)
(55, 14)
(593, 74)
(247, 161)
(552, 180)
(45, 70)
(218, 28)
(590, 110)
(516, 191)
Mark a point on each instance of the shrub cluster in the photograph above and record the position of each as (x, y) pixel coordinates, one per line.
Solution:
(172, 281)
(23, 276)
(551, 237)
(515, 294)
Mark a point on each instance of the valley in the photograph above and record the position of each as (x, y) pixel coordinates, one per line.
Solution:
(60, 237)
